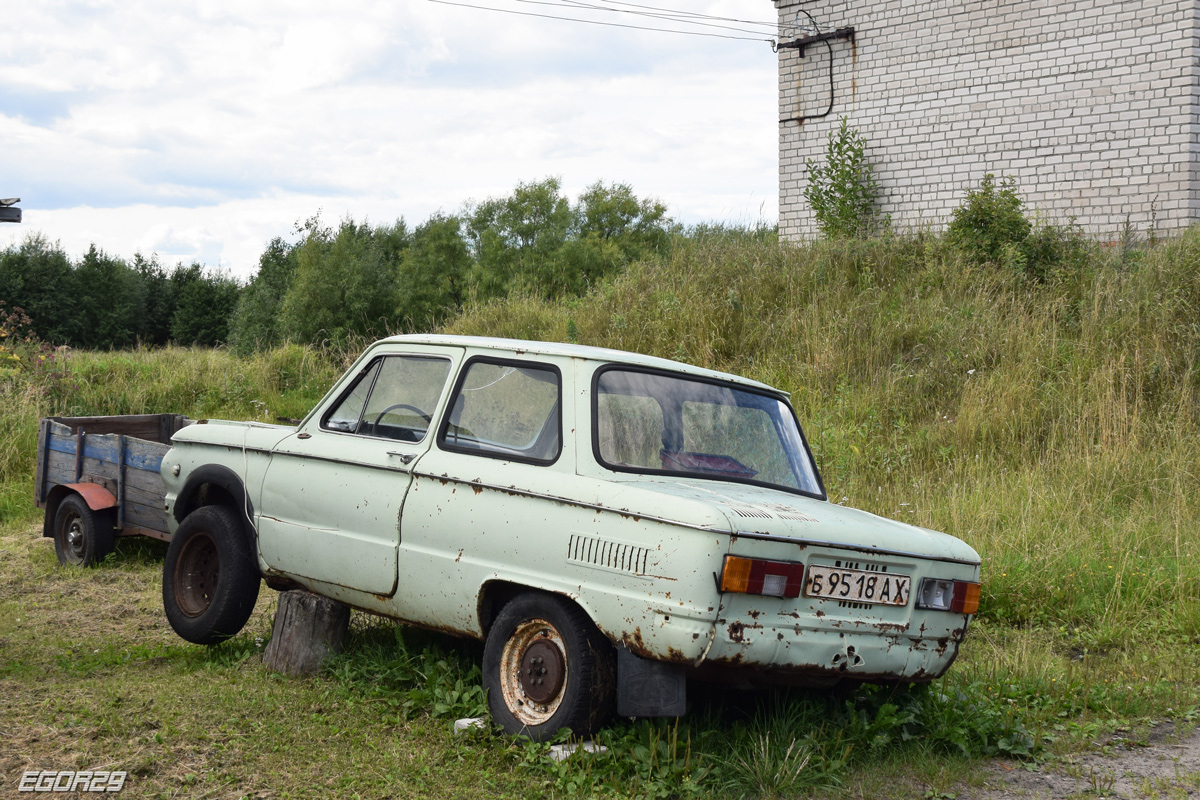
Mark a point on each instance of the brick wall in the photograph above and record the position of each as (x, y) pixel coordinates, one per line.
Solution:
(1093, 106)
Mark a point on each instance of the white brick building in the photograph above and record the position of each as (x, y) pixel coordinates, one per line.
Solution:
(1092, 105)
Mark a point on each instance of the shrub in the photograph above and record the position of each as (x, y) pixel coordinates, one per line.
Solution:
(843, 192)
(991, 227)
(991, 224)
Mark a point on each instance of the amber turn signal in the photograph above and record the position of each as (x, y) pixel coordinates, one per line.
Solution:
(757, 576)
(966, 597)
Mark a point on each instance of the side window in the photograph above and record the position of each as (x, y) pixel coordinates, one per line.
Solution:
(346, 414)
(506, 410)
(393, 399)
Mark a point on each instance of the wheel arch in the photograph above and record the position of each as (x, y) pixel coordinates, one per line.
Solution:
(217, 485)
(497, 593)
(96, 496)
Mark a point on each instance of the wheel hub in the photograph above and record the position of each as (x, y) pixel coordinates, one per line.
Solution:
(533, 672)
(542, 671)
(75, 537)
(197, 571)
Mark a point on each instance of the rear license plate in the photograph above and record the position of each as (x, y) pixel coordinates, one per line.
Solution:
(856, 585)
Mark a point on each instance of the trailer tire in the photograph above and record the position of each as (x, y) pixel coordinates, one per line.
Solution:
(82, 537)
(210, 576)
(547, 667)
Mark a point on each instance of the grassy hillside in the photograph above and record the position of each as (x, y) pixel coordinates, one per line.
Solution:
(1051, 424)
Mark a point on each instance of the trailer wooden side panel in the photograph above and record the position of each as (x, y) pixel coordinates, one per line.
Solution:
(122, 453)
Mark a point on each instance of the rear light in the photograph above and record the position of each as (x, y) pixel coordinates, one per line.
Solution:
(960, 597)
(756, 576)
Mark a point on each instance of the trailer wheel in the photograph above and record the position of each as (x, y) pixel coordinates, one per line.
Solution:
(210, 577)
(82, 537)
(546, 667)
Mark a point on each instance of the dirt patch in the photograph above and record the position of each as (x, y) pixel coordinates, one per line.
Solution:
(1164, 764)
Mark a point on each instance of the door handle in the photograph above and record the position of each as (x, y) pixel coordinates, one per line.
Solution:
(405, 458)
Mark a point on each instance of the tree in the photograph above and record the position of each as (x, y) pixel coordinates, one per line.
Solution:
(155, 328)
(37, 277)
(204, 303)
(112, 301)
(615, 229)
(433, 274)
(345, 282)
(255, 322)
(517, 240)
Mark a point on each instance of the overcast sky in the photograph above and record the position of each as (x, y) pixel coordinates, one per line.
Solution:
(200, 130)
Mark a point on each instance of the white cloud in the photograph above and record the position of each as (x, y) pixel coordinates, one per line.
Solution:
(201, 129)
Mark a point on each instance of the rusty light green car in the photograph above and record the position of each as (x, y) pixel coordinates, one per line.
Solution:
(610, 524)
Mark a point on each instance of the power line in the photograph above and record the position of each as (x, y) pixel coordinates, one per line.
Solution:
(694, 14)
(667, 17)
(680, 15)
(597, 22)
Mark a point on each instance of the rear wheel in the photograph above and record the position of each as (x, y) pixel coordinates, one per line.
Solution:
(210, 576)
(546, 667)
(82, 537)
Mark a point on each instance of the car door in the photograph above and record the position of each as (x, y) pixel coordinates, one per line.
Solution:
(474, 510)
(333, 492)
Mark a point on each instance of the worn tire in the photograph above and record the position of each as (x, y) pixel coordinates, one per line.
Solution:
(210, 576)
(82, 537)
(546, 667)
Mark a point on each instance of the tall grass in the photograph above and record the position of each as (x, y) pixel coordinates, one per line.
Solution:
(281, 383)
(1053, 425)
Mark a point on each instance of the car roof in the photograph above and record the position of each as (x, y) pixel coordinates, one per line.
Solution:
(599, 354)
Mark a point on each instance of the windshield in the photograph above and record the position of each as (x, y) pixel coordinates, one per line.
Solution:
(650, 422)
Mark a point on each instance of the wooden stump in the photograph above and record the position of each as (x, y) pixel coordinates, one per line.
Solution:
(308, 629)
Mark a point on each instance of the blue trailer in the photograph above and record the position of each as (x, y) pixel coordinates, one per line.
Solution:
(98, 478)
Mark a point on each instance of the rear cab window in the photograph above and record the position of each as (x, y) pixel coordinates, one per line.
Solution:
(651, 422)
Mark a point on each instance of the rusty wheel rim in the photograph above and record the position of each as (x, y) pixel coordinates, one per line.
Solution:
(74, 538)
(196, 572)
(533, 672)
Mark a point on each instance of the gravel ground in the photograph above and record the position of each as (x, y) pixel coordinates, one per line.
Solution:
(1164, 764)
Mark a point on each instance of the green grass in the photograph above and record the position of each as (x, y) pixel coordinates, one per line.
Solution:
(1052, 425)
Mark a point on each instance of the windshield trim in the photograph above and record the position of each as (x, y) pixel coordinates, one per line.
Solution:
(782, 397)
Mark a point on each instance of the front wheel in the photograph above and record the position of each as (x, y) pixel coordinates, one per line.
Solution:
(82, 537)
(546, 667)
(210, 577)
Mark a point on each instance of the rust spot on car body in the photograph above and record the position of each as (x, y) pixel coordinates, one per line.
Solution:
(476, 488)
(737, 631)
(734, 671)
(634, 644)
(447, 629)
